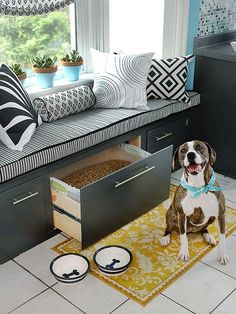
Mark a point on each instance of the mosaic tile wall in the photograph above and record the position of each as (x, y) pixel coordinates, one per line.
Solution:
(216, 16)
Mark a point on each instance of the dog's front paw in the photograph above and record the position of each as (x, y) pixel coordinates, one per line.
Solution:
(210, 239)
(164, 241)
(183, 255)
(223, 259)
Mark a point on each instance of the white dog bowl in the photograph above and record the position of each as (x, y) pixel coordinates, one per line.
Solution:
(112, 259)
(70, 268)
(233, 45)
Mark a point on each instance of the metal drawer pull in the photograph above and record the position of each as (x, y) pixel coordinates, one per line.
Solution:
(135, 176)
(164, 136)
(25, 198)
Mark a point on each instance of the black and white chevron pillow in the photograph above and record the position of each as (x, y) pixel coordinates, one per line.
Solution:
(18, 119)
(120, 80)
(167, 79)
(59, 105)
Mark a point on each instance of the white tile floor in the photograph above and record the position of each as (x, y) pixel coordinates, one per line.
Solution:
(27, 287)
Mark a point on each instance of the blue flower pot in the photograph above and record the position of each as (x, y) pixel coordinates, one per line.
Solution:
(71, 70)
(45, 77)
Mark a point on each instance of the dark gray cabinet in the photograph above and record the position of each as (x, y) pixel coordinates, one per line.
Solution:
(173, 132)
(24, 220)
(215, 79)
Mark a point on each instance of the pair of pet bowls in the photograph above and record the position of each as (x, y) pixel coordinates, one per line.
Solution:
(111, 260)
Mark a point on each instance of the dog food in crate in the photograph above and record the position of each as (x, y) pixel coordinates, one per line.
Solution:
(92, 173)
(67, 181)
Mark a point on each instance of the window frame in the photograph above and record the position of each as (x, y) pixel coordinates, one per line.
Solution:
(30, 82)
(175, 33)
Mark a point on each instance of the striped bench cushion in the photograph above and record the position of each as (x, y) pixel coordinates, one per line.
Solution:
(53, 141)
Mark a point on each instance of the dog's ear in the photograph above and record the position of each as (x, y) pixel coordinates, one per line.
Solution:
(175, 157)
(212, 154)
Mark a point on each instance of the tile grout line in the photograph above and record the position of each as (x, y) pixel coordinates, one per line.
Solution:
(177, 303)
(35, 296)
(227, 199)
(119, 306)
(61, 295)
(28, 271)
(223, 300)
(53, 285)
(218, 270)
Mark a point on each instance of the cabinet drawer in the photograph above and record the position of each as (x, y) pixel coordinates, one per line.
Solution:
(67, 197)
(23, 194)
(113, 201)
(23, 218)
(67, 224)
(173, 133)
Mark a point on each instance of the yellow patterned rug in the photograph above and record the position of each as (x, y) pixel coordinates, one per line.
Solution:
(154, 267)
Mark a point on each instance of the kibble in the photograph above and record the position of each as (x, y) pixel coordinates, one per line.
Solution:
(92, 173)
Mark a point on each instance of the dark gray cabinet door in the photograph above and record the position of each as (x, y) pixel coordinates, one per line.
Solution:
(173, 133)
(23, 218)
(112, 202)
(216, 79)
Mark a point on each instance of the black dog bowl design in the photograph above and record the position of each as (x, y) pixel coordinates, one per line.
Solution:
(70, 268)
(112, 260)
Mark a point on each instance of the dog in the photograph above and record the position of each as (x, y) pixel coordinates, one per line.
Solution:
(198, 201)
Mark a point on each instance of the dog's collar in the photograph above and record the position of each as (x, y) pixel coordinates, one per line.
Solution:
(204, 189)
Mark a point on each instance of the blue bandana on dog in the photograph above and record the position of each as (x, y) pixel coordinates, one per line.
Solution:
(204, 189)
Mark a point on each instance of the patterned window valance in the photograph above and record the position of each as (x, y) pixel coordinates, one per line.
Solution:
(31, 7)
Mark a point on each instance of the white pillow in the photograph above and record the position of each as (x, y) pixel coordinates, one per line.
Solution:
(120, 80)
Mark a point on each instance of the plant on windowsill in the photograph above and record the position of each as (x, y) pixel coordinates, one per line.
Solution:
(16, 68)
(72, 64)
(44, 69)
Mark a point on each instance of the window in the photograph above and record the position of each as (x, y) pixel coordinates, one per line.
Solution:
(22, 38)
(136, 26)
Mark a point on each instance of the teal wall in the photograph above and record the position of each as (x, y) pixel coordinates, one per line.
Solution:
(194, 9)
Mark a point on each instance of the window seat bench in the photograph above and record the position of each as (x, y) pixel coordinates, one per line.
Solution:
(56, 140)
(26, 204)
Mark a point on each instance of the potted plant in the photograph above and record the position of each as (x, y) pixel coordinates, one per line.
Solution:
(16, 68)
(45, 70)
(72, 64)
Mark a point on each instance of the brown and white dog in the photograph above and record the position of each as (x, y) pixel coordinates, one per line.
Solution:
(194, 214)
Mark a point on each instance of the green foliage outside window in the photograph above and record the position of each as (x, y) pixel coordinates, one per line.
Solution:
(24, 38)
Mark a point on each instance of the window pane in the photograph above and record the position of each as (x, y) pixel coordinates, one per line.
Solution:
(136, 26)
(22, 38)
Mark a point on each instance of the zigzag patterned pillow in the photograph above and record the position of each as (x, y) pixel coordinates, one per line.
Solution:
(167, 79)
(120, 80)
(18, 119)
(63, 104)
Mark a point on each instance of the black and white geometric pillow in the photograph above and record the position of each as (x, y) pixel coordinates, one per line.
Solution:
(63, 104)
(120, 80)
(167, 79)
(18, 119)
